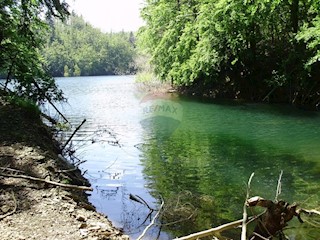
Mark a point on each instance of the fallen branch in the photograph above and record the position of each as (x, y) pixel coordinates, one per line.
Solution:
(67, 170)
(274, 219)
(310, 212)
(140, 200)
(14, 209)
(50, 119)
(268, 223)
(84, 188)
(259, 236)
(216, 231)
(151, 223)
(74, 132)
(213, 231)
(11, 169)
(278, 191)
(245, 215)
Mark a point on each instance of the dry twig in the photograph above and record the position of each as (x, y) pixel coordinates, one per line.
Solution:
(213, 231)
(84, 188)
(152, 222)
(74, 132)
(278, 191)
(245, 215)
(140, 200)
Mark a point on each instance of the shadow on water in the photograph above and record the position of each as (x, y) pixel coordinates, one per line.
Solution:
(269, 108)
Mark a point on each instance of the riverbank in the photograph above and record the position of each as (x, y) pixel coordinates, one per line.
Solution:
(32, 206)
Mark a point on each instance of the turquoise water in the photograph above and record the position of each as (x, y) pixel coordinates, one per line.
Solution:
(195, 156)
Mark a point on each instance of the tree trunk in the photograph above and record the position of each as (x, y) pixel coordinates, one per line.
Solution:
(295, 15)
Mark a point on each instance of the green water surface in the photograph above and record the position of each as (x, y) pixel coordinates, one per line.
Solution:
(201, 163)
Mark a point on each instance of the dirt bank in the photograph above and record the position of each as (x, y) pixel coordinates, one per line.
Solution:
(31, 205)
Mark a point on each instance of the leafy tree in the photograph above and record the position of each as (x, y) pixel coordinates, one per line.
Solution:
(233, 48)
(22, 28)
(311, 36)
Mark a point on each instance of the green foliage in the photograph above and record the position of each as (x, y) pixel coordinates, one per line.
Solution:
(66, 71)
(61, 126)
(21, 38)
(77, 71)
(76, 48)
(26, 104)
(310, 34)
(143, 77)
(235, 47)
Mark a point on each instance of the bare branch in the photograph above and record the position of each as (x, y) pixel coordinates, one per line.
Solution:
(261, 237)
(212, 231)
(152, 222)
(84, 188)
(278, 192)
(312, 211)
(245, 214)
(140, 200)
(74, 132)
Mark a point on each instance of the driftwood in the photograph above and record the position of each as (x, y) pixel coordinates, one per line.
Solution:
(274, 219)
(245, 214)
(276, 216)
(213, 231)
(83, 188)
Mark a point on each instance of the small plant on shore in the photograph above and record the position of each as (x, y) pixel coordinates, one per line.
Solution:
(24, 103)
(145, 77)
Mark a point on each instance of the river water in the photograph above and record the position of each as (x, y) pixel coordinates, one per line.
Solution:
(195, 156)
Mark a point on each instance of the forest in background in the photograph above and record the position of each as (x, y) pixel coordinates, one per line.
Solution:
(76, 48)
(240, 49)
(41, 39)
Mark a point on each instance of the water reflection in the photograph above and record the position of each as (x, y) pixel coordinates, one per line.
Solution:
(107, 141)
(206, 167)
(199, 160)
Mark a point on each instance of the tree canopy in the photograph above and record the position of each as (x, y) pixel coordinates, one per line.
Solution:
(75, 48)
(23, 24)
(254, 50)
